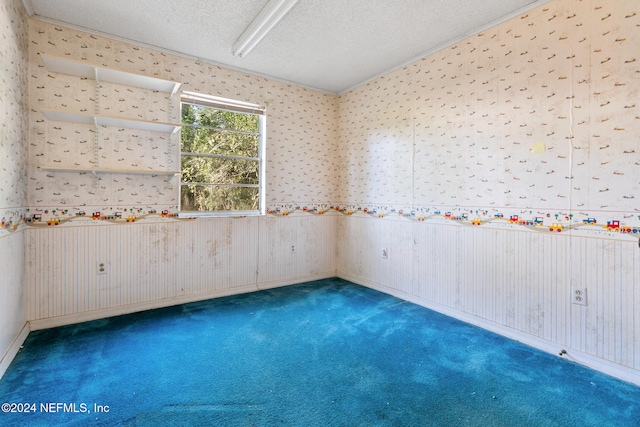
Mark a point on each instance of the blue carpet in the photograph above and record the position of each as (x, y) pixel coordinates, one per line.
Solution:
(324, 353)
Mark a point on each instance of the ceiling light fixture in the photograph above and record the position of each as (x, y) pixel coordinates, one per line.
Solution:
(268, 17)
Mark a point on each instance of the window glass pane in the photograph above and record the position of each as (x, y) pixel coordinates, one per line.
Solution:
(215, 144)
(206, 116)
(219, 171)
(195, 198)
(211, 141)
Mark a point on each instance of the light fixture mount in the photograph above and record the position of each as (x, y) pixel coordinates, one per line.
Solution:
(268, 17)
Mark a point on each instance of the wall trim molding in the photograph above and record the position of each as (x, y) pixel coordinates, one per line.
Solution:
(13, 349)
(609, 368)
(86, 316)
(295, 281)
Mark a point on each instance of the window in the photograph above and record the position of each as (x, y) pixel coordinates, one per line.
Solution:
(222, 145)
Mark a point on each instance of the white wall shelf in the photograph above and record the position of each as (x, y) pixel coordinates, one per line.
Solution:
(97, 171)
(99, 120)
(103, 74)
(98, 73)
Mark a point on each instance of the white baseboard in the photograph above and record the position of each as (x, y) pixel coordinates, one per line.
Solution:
(86, 316)
(296, 280)
(615, 370)
(70, 319)
(53, 322)
(13, 349)
(610, 368)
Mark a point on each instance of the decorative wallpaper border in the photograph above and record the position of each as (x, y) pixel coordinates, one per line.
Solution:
(598, 224)
(11, 218)
(624, 225)
(15, 219)
(625, 222)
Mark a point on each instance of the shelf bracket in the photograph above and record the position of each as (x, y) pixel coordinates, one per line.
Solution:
(96, 179)
(170, 181)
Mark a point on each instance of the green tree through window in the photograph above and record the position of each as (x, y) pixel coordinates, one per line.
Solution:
(221, 157)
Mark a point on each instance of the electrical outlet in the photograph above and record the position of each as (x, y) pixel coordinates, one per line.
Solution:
(293, 249)
(385, 253)
(579, 296)
(102, 268)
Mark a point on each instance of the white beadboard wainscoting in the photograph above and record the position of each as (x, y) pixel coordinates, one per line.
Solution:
(516, 283)
(151, 265)
(13, 301)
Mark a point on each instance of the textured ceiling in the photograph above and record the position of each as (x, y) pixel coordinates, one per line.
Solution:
(329, 45)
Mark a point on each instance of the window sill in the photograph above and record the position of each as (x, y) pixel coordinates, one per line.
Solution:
(222, 214)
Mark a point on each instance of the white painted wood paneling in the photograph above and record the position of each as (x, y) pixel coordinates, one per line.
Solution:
(516, 281)
(294, 248)
(520, 280)
(360, 245)
(163, 263)
(13, 317)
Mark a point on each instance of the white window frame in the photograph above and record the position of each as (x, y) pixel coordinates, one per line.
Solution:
(238, 107)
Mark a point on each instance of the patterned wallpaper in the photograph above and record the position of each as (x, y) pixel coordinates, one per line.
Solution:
(536, 117)
(13, 119)
(301, 127)
(533, 122)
